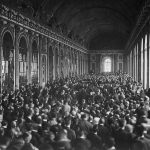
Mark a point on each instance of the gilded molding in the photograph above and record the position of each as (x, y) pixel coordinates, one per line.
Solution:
(106, 51)
(19, 19)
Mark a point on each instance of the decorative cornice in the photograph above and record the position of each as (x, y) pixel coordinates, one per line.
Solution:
(19, 19)
(143, 19)
(106, 51)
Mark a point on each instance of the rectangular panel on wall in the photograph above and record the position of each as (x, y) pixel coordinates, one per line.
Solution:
(93, 67)
(97, 63)
(124, 63)
(120, 58)
(115, 62)
(120, 66)
(93, 58)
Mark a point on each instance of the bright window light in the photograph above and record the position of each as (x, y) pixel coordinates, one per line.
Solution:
(107, 65)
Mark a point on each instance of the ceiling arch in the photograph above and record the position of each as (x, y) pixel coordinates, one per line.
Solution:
(88, 20)
(79, 6)
(105, 14)
(89, 10)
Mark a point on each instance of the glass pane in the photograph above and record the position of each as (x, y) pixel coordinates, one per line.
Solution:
(107, 65)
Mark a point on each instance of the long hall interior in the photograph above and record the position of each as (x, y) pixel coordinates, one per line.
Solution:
(75, 74)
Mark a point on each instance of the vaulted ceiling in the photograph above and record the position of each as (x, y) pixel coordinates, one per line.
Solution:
(99, 24)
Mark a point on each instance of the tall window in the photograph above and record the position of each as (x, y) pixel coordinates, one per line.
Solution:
(107, 65)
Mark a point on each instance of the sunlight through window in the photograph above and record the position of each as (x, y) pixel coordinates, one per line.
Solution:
(107, 65)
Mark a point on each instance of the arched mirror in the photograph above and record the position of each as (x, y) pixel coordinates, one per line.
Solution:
(8, 63)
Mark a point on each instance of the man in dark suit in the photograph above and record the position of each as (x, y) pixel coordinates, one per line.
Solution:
(70, 133)
(103, 131)
(62, 143)
(141, 143)
(122, 137)
(95, 140)
(84, 124)
(81, 140)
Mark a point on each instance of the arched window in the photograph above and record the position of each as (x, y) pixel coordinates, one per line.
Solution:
(107, 65)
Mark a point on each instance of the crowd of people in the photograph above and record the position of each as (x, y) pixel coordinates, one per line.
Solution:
(89, 112)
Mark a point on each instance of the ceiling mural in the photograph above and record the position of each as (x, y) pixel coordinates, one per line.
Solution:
(97, 24)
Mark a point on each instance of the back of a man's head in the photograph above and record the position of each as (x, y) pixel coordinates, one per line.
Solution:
(95, 128)
(83, 116)
(140, 130)
(81, 133)
(122, 122)
(68, 121)
(27, 137)
(110, 142)
(62, 135)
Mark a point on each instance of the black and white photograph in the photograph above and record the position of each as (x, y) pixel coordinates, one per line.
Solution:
(74, 74)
